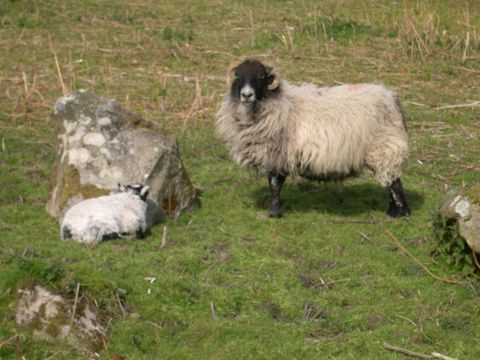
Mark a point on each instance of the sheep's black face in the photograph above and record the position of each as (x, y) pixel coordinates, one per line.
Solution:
(253, 82)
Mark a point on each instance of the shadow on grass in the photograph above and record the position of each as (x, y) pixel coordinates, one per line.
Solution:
(341, 199)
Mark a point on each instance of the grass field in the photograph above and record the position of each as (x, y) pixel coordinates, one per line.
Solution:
(327, 280)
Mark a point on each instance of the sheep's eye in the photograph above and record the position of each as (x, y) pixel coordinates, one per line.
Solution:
(236, 74)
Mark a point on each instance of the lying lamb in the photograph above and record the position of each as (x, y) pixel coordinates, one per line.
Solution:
(113, 216)
(317, 133)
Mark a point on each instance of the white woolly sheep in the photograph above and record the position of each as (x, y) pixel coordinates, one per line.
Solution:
(317, 133)
(113, 216)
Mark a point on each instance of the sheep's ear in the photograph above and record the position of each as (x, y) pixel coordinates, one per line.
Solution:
(233, 66)
(121, 188)
(144, 192)
(272, 72)
(231, 70)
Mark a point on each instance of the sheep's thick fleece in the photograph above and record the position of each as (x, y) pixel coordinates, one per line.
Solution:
(324, 133)
(92, 220)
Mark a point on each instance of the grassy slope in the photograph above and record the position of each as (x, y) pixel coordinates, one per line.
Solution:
(265, 279)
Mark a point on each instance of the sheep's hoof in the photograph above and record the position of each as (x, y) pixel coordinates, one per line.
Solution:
(398, 212)
(275, 214)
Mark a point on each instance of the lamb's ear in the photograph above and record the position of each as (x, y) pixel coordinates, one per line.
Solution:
(272, 73)
(144, 192)
(121, 187)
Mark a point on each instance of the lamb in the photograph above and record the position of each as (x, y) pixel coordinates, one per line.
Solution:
(121, 214)
(329, 133)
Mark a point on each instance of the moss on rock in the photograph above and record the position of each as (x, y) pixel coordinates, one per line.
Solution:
(473, 194)
(71, 186)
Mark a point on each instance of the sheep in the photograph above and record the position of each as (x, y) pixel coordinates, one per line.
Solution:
(328, 133)
(121, 214)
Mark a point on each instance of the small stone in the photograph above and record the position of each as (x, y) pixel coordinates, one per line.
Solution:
(49, 317)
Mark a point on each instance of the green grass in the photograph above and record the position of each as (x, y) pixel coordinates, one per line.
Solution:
(326, 281)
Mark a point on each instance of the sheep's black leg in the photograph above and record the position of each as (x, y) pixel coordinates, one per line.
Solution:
(275, 181)
(398, 203)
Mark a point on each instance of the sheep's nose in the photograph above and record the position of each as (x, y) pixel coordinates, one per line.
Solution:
(247, 94)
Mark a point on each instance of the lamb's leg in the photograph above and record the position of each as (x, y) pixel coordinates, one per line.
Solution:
(66, 233)
(275, 181)
(398, 203)
(140, 233)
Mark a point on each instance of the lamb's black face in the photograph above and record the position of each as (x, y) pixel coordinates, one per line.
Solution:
(253, 82)
(137, 189)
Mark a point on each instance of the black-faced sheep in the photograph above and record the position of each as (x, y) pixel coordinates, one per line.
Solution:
(113, 216)
(318, 133)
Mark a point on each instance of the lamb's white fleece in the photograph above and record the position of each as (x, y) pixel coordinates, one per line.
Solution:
(115, 215)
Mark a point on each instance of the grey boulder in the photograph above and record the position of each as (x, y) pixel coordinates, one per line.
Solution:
(100, 145)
